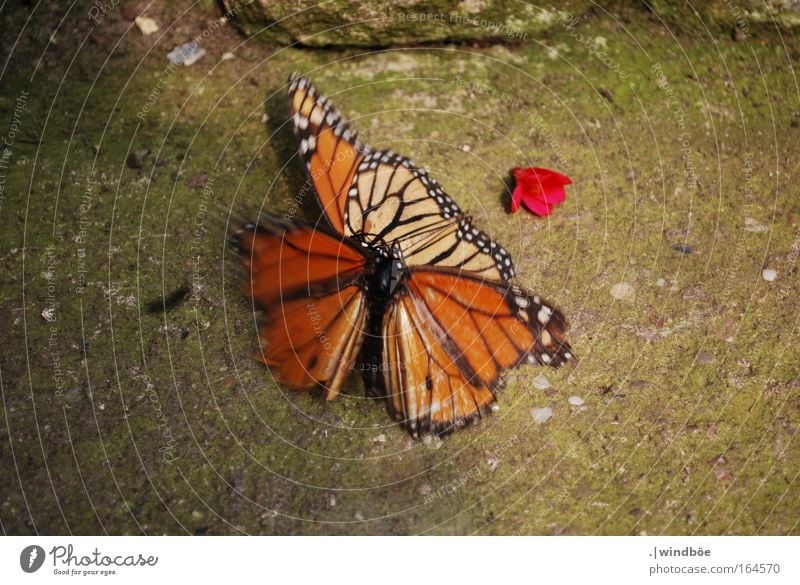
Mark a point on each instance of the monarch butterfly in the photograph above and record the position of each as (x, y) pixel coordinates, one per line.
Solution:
(398, 278)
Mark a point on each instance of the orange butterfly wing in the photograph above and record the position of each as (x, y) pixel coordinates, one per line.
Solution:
(426, 389)
(329, 148)
(449, 338)
(307, 282)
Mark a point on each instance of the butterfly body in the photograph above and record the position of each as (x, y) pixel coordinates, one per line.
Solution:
(397, 284)
(387, 273)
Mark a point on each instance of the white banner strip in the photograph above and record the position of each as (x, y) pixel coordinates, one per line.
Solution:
(355, 560)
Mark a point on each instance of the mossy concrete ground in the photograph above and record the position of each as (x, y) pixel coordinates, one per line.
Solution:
(140, 408)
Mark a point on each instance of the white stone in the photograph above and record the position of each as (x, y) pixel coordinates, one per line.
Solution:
(622, 291)
(575, 401)
(186, 54)
(769, 274)
(661, 282)
(541, 415)
(541, 382)
(146, 25)
(753, 225)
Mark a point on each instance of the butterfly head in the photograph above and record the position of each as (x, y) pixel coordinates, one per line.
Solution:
(389, 271)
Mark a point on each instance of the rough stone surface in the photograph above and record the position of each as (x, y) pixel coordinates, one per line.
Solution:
(387, 23)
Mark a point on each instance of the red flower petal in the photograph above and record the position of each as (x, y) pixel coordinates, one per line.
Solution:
(516, 198)
(554, 195)
(538, 189)
(538, 206)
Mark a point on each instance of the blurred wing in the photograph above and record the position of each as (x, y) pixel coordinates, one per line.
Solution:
(307, 281)
(450, 337)
(382, 198)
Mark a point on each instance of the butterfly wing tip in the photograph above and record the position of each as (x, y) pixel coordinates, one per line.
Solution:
(563, 355)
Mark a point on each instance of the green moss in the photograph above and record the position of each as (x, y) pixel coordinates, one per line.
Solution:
(701, 367)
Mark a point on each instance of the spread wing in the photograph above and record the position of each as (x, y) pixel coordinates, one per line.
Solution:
(448, 339)
(382, 198)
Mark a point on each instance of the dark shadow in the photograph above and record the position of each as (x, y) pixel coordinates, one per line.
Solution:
(169, 303)
(508, 187)
(281, 130)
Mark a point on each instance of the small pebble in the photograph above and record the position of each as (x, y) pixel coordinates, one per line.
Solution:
(722, 475)
(198, 515)
(495, 407)
(769, 274)
(73, 394)
(661, 282)
(575, 401)
(682, 248)
(332, 500)
(198, 181)
(622, 291)
(359, 516)
(379, 439)
(541, 383)
(466, 148)
(704, 358)
(186, 54)
(227, 56)
(146, 25)
(541, 415)
(753, 225)
(264, 118)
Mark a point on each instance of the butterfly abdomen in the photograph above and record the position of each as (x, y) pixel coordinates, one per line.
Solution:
(383, 277)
